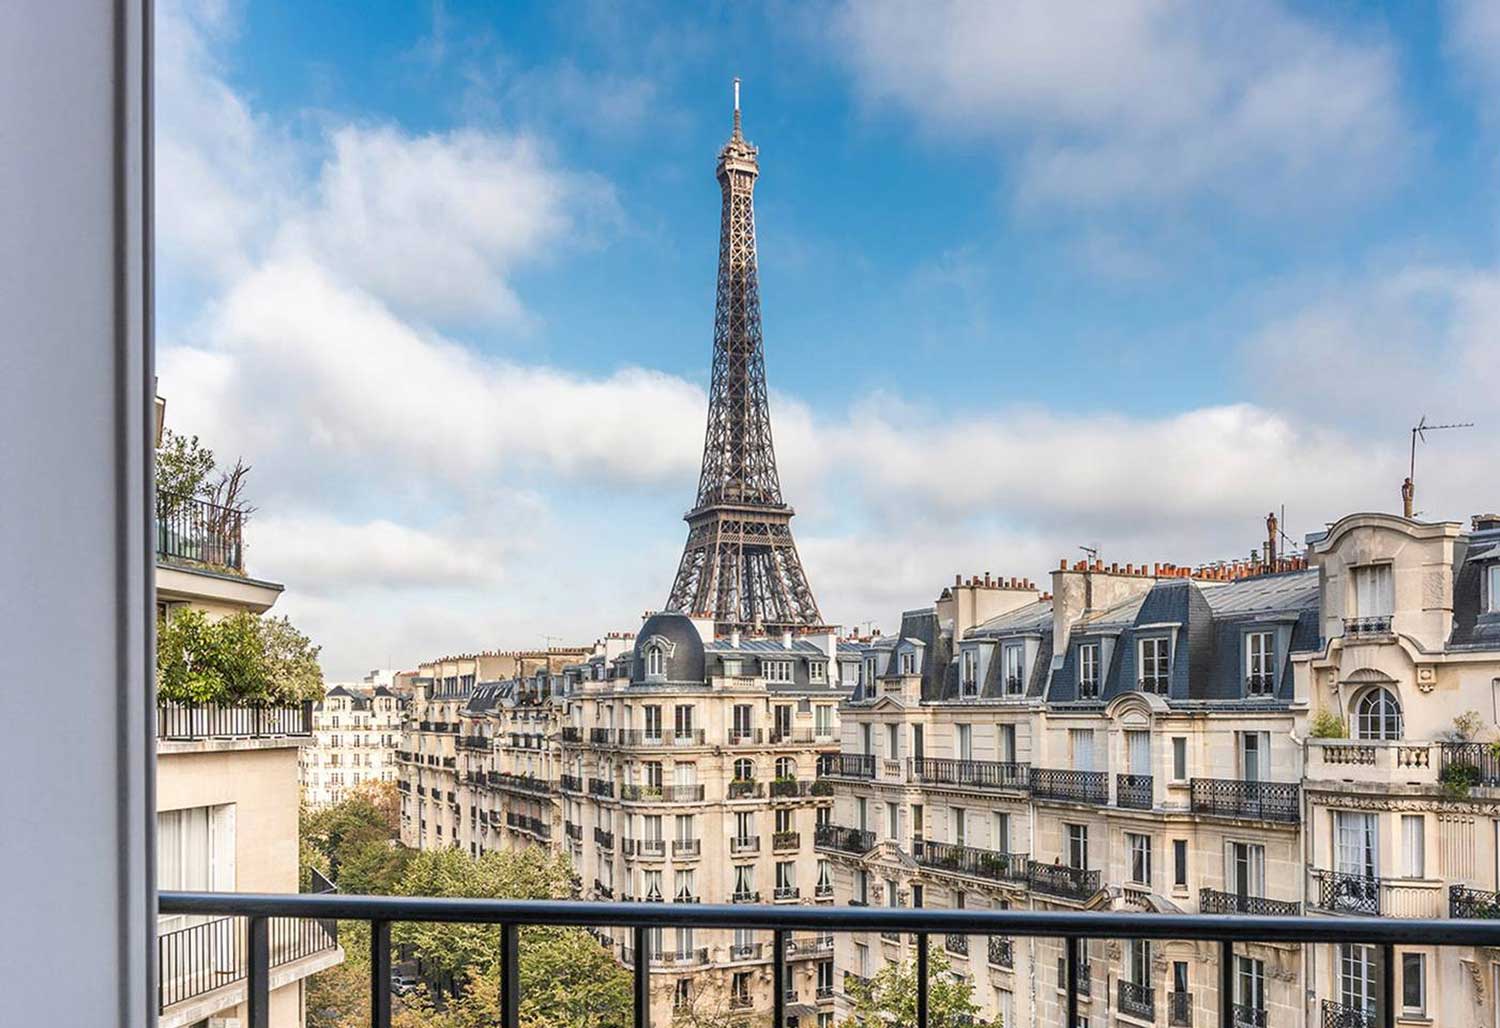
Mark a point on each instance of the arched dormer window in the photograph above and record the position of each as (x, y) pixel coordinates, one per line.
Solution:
(655, 663)
(1377, 715)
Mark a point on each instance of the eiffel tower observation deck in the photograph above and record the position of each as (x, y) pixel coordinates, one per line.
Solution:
(740, 565)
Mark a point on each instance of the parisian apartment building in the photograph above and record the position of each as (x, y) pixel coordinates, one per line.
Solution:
(670, 765)
(227, 795)
(1281, 735)
(356, 731)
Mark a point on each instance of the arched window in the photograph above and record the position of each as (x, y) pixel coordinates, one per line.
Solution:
(1377, 715)
(786, 767)
(744, 770)
(653, 660)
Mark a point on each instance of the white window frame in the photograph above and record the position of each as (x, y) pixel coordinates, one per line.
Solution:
(969, 672)
(1492, 577)
(1414, 845)
(1260, 662)
(778, 671)
(1419, 1009)
(1088, 670)
(908, 663)
(1374, 590)
(1155, 663)
(1013, 668)
(1139, 848)
(655, 662)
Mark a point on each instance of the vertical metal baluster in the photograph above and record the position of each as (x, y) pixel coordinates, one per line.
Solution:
(1070, 971)
(778, 978)
(1226, 984)
(1388, 986)
(258, 983)
(642, 978)
(921, 980)
(380, 974)
(510, 976)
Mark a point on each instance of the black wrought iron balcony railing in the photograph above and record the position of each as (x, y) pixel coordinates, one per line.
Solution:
(783, 736)
(526, 823)
(744, 896)
(195, 530)
(786, 840)
(743, 736)
(1472, 903)
(601, 736)
(1065, 784)
(569, 783)
(746, 951)
(1214, 901)
(1246, 1016)
(1085, 976)
(687, 847)
(1344, 1015)
(848, 840)
(1077, 883)
(1479, 760)
(744, 844)
(973, 774)
(1340, 892)
(188, 721)
(956, 943)
(601, 787)
(571, 734)
(642, 919)
(1001, 951)
(197, 960)
(1259, 801)
(849, 765)
(1367, 627)
(1136, 1000)
(971, 860)
(572, 831)
(744, 789)
(1180, 1009)
(783, 893)
(481, 743)
(527, 784)
(789, 788)
(604, 838)
(1133, 791)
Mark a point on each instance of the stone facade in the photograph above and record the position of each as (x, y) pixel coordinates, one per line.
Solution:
(356, 732)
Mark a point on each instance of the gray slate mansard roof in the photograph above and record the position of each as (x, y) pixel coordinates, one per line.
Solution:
(1473, 626)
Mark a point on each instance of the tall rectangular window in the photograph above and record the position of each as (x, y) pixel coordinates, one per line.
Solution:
(1260, 663)
(823, 720)
(1155, 664)
(1250, 983)
(1007, 742)
(1414, 984)
(1179, 758)
(1414, 845)
(893, 820)
(959, 826)
(1255, 754)
(743, 714)
(1374, 591)
(1015, 659)
(1081, 744)
(908, 663)
(1245, 868)
(969, 673)
(893, 740)
(1078, 846)
(684, 722)
(1002, 832)
(965, 742)
(1493, 578)
(1088, 670)
(1139, 847)
(1180, 863)
(916, 821)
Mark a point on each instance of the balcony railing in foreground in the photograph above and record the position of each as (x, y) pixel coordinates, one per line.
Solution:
(923, 923)
(187, 721)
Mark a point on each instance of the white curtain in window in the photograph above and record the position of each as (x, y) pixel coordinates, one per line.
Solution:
(1374, 592)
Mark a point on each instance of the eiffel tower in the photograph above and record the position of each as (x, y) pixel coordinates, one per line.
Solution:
(740, 565)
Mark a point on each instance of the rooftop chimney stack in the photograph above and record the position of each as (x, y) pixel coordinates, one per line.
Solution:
(1271, 527)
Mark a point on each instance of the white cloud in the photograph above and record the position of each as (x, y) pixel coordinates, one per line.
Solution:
(1141, 100)
(1474, 38)
(325, 556)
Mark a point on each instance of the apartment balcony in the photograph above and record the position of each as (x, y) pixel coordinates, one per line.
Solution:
(850, 765)
(956, 943)
(570, 783)
(661, 793)
(528, 824)
(746, 951)
(791, 736)
(1246, 1016)
(1339, 892)
(845, 840)
(971, 774)
(792, 789)
(604, 839)
(1001, 951)
(572, 831)
(1213, 901)
(193, 962)
(1180, 1009)
(1341, 1015)
(683, 957)
(182, 722)
(890, 770)
(1479, 761)
(744, 844)
(1369, 628)
(824, 992)
(646, 849)
(199, 532)
(1133, 792)
(600, 736)
(571, 736)
(810, 949)
(786, 840)
(1136, 1000)
(602, 788)
(745, 896)
(1472, 903)
(481, 743)
(684, 849)
(606, 891)
(1071, 786)
(972, 861)
(1074, 883)
(1376, 762)
(1256, 801)
(526, 784)
(823, 892)
(785, 893)
(745, 737)
(740, 1001)
(744, 790)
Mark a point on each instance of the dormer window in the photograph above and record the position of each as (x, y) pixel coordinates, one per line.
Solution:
(1374, 591)
(1088, 670)
(1015, 659)
(908, 663)
(1492, 579)
(817, 671)
(871, 669)
(776, 670)
(1155, 664)
(969, 673)
(655, 662)
(1260, 663)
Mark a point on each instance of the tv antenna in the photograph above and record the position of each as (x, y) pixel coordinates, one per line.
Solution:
(1409, 487)
(1092, 551)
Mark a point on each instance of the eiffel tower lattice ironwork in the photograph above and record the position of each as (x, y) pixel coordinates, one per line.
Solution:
(740, 564)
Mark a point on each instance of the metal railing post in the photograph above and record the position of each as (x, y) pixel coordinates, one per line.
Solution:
(510, 976)
(778, 977)
(1388, 987)
(642, 977)
(921, 980)
(1070, 971)
(1226, 984)
(258, 983)
(380, 974)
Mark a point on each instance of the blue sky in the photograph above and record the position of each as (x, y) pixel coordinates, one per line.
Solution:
(1032, 277)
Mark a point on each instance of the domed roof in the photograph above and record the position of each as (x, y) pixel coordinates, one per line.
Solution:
(680, 645)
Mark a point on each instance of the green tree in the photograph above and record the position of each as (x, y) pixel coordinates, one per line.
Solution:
(184, 468)
(355, 842)
(890, 997)
(242, 658)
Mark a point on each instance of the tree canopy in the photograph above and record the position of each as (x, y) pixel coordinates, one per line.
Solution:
(889, 999)
(242, 658)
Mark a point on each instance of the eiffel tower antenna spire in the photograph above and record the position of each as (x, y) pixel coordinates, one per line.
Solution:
(740, 564)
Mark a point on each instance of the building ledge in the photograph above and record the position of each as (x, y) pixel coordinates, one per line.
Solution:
(228, 744)
(186, 583)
